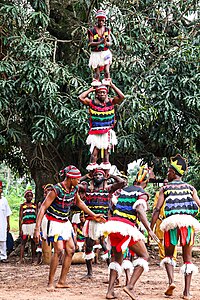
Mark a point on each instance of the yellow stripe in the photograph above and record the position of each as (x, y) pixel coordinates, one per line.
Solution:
(59, 212)
(119, 213)
(94, 112)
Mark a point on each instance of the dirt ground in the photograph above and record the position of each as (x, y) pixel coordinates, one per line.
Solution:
(28, 282)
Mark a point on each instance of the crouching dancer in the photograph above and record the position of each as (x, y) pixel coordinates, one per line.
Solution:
(56, 225)
(122, 232)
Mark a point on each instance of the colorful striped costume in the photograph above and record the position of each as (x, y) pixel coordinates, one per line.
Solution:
(93, 32)
(179, 212)
(121, 228)
(102, 117)
(98, 201)
(102, 121)
(29, 213)
(56, 225)
(60, 207)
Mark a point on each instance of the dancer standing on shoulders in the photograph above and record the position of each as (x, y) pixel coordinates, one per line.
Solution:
(100, 42)
(102, 120)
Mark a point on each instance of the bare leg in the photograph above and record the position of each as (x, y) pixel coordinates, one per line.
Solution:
(97, 74)
(169, 251)
(107, 71)
(67, 259)
(94, 155)
(118, 257)
(23, 244)
(88, 250)
(58, 247)
(187, 257)
(140, 249)
(33, 249)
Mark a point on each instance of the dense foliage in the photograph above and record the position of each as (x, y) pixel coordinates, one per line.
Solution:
(44, 66)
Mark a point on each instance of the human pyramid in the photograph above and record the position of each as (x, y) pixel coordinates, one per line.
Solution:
(113, 209)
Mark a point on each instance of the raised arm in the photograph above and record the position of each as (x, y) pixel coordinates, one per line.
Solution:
(119, 183)
(120, 96)
(84, 96)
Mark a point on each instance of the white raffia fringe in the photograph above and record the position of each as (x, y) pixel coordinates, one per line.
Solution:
(188, 269)
(76, 218)
(122, 228)
(105, 166)
(98, 246)
(101, 141)
(89, 256)
(104, 256)
(92, 229)
(28, 229)
(114, 199)
(142, 202)
(167, 260)
(100, 58)
(58, 229)
(127, 265)
(180, 221)
(115, 266)
(38, 250)
(142, 263)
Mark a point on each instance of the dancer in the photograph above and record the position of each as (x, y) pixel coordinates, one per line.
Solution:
(59, 229)
(97, 197)
(102, 120)
(122, 232)
(27, 221)
(180, 206)
(159, 233)
(100, 42)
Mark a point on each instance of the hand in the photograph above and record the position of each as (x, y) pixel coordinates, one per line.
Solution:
(99, 218)
(36, 235)
(153, 236)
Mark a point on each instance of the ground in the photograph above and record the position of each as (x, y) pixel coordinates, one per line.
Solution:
(28, 282)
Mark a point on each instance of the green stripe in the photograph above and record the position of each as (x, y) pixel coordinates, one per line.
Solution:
(127, 200)
(102, 118)
(177, 211)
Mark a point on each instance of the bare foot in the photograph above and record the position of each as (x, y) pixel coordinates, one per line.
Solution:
(87, 277)
(170, 289)
(130, 293)
(50, 288)
(110, 295)
(62, 286)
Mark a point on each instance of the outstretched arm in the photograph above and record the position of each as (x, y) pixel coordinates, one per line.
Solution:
(120, 96)
(84, 96)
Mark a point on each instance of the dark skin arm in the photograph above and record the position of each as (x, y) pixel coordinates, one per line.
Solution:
(143, 218)
(119, 183)
(20, 219)
(157, 209)
(120, 96)
(83, 97)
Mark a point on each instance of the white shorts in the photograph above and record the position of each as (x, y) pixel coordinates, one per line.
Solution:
(100, 59)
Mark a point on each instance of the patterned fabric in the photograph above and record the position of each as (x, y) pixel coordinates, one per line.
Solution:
(96, 38)
(178, 199)
(102, 117)
(186, 235)
(98, 201)
(60, 207)
(127, 198)
(29, 213)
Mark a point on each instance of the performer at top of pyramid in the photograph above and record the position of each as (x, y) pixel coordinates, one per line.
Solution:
(99, 42)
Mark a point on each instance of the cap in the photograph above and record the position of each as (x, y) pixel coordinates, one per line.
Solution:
(28, 191)
(101, 87)
(71, 172)
(178, 164)
(99, 171)
(100, 14)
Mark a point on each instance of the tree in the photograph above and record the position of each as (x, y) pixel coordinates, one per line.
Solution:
(43, 68)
